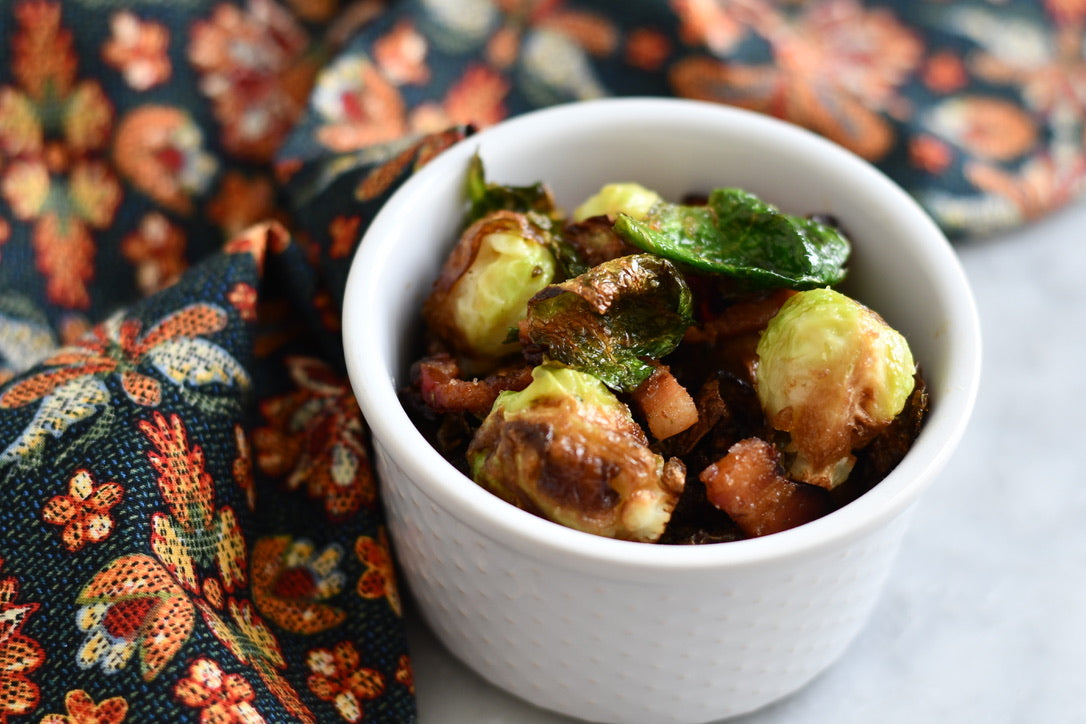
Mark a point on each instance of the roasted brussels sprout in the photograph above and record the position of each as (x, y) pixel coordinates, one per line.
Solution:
(631, 199)
(832, 374)
(565, 448)
(482, 293)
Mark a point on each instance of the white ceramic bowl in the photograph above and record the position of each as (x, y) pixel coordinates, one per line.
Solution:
(609, 630)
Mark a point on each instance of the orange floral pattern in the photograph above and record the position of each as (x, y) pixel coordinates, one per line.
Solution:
(70, 387)
(315, 437)
(82, 709)
(195, 532)
(252, 67)
(160, 151)
(20, 655)
(405, 674)
(55, 131)
(293, 582)
(132, 605)
(379, 578)
(157, 249)
(222, 698)
(339, 677)
(838, 68)
(84, 511)
(138, 50)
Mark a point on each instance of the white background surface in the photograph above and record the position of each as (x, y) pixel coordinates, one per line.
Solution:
(984, 615)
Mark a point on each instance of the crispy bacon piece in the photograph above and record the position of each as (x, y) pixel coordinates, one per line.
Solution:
(665, 404)
(743, 317)
(444, 391)
(596, 241)
(747, 485)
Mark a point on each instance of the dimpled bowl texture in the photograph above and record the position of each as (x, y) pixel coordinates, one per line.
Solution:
(617, 631)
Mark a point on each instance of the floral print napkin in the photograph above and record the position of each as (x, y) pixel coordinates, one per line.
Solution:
(190, 529)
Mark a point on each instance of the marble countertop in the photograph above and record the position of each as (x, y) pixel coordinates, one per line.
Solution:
(984, 615)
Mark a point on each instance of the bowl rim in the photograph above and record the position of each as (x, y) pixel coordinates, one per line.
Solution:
(541, 539)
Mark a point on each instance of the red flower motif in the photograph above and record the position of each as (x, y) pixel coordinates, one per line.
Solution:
(160, 150)
(293, 582)
(84, 511)
(132, 605)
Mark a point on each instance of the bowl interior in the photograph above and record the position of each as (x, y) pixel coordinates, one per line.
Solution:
(901, 266)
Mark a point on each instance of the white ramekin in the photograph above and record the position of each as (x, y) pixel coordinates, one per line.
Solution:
(608, 630)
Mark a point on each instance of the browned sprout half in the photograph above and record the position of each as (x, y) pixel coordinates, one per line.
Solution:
(832, 374)
(566, 449)
(499, 263)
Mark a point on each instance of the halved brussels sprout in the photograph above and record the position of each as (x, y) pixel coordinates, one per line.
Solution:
(631, 199)
(566, 449)
(501, 261)
(832, 374)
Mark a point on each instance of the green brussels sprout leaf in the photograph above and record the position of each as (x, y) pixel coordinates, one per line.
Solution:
(486, 197)
(739, 235)
(604, 321)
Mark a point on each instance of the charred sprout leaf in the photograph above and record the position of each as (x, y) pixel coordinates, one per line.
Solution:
(604, 321)
(486, 282)
(832, 374)
(566, 449)
(631, 199)
(739, 235)
(486, 197)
